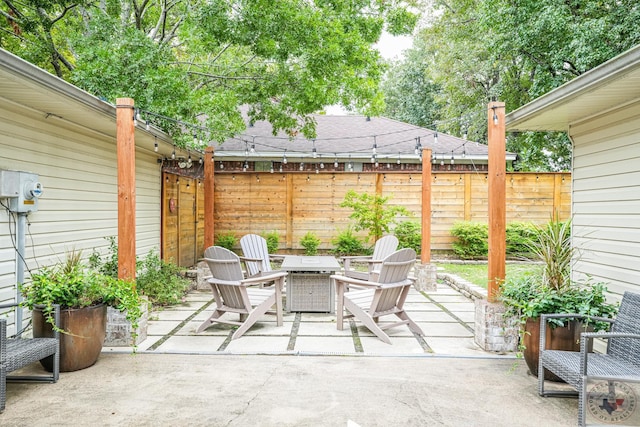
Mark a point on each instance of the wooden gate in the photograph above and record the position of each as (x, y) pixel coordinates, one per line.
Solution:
(182, 219)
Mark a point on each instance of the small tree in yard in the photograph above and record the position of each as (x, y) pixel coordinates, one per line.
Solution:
(372, 213)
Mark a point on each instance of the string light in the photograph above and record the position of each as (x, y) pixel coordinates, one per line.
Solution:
(495, 116)
(221, 165)
(335, 161)
(375, 146)
(301, 166)
(452, 157)
(435, 137)
(173, 154)
(398, 161)
(321, 162)
(314, 152)
(135, 118)
(284, 157)
(155, 144)
(147, 127)
(271, 168)
(245, 166)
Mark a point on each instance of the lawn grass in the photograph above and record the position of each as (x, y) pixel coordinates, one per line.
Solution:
(478, 273)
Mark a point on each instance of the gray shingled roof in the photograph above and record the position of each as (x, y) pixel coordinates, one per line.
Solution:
(349, 135)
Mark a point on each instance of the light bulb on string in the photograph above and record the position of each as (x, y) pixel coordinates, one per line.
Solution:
(495, 116)
(221, 165)
(301, 166)
(147, 126)
(173, 154)
(314, 152)
(155, 144)
(245, 166)
(452, 161)
(195, 138)
(284, 157)
(435, 137)
(335, 161)
(398, 161)
(271, 169)
(135, 118)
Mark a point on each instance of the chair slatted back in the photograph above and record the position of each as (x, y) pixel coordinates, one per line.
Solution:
(254, 246)
(395, 267)
(627, 321)
(225, 265)
(384, 247)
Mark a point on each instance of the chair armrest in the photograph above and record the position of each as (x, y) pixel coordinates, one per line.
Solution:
(354, 281)
(576, 316)
(264, 277)
(356, 257)
(245, 259)
(278, 257)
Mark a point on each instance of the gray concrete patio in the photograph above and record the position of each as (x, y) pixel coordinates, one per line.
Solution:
(305, 373)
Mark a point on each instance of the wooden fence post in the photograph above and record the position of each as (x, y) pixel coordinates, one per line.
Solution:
(497, 199)
(126, 161)
(425, 249)
(209, 197)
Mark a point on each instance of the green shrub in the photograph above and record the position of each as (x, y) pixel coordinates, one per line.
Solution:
(108, 267)
(472, 239)
(227, 240)
(273, 240)
(346, 243)
(160, 281)
(519, 238)
(310, 243)
(409, 235)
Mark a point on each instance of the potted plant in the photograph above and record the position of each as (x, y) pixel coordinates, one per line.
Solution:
(83, 295)
(553, 291)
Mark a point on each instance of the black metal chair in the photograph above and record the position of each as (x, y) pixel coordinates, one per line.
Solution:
(18, 352)
(621, 362)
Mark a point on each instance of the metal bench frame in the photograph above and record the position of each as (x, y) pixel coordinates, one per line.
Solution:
(18, 352)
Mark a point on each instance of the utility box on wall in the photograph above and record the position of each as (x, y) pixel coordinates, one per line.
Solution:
(22, 189)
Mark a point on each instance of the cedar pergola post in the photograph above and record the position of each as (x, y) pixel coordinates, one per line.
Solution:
(497, 198)
(425, 248)
(209, 168)
(126, 161)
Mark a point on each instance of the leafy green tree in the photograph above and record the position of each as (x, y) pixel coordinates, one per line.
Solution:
(513, 51)
(372, 213)
(199, 61)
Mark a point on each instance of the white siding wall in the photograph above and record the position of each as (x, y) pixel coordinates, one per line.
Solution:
(78, 209)
(606, 198)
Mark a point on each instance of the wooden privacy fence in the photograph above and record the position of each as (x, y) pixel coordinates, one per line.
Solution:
(293, 204)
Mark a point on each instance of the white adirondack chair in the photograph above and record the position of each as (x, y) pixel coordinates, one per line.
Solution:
(256, 256)
(384, 246)
(232, 293)
(385, 296)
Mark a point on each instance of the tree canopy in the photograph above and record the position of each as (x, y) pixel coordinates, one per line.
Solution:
(199, 61)
(470, 52)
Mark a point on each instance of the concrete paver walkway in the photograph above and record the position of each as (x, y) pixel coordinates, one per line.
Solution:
(445, 316)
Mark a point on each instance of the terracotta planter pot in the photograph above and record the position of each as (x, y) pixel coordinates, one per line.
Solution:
(558, 338)
(81, 345)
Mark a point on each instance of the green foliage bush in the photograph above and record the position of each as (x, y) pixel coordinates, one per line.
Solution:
(346, 243)
(472, 239)
(519, 238)
(273, 240)
(310, 243)
(409, 235)
(227, 240)
(160, 281)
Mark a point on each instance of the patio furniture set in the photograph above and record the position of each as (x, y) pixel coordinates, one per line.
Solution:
(311, 286)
